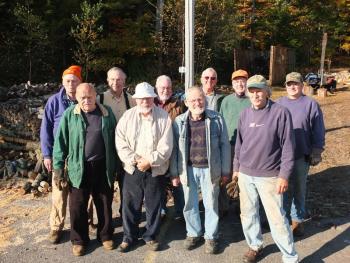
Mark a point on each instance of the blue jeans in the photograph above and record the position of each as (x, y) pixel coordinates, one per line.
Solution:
(200, 178)
(294, 198)
(251, 188)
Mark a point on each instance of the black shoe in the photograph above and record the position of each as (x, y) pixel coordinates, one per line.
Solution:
(124, 247)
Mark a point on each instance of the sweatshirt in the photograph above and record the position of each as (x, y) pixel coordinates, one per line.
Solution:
(308, 124)
(265, 142)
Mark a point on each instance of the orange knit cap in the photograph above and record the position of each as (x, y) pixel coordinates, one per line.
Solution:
(74, 70)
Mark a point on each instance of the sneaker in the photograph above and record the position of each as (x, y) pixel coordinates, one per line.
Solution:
(191, 242)
(124, 247)
(153, 245)
(297, 229)
(211, 246)
(78, 250)
(55, 236)
(108, 244)
(251, 255)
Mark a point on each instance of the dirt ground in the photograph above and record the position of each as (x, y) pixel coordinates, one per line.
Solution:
(24, 219)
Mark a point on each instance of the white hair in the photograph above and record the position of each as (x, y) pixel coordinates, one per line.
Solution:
(116, 69)
(161, 78)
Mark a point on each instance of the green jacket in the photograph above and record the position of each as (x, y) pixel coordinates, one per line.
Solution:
(230, 109)
(70, 142)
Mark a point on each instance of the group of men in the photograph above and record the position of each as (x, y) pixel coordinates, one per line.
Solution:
(149, 142)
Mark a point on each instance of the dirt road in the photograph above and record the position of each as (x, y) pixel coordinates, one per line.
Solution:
(24, 219)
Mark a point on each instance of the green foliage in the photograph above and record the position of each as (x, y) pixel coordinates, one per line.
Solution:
(86, 34)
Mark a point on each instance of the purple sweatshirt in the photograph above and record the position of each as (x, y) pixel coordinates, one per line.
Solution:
(265, 142)
(308, 124)
(54, 109)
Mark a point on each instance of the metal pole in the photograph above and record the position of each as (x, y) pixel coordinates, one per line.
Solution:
(323, 54)
(189, 43)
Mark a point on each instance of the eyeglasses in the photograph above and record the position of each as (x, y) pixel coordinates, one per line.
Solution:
(211, 78)
(195, 100)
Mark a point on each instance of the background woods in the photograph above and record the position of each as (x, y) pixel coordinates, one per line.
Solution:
(38, 39)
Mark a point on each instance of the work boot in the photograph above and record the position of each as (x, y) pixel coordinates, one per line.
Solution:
(297, 229)
(108, 244)
(78, 250)
(153, 245)
(191, 242)
(55, 236)
(124, 247)
(211, 246)
(252, 255)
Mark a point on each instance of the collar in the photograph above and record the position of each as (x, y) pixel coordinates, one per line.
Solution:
(77, 109)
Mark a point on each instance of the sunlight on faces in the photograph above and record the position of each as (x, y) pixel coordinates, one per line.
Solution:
(209, 80)
(86, 97)
(294, 89)
(258, 97)
(164, 89)
(145, 105)
(239, 85)
(116, 81)
(70, 83)
(195, 101)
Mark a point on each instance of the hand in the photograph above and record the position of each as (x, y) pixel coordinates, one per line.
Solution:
(48, 164)
(175, 181)
(142, 164)
(282, 185)
(235, 176)
(224, 180)
(59, 180)
(315, 159)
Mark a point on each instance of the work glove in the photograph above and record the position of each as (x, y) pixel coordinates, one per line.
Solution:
(232, 188)
(59, 179)
(315, 157)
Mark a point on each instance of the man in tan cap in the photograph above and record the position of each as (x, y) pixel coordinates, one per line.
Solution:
(263, 162)
(309, 129)
(54, 109)
(144, 142)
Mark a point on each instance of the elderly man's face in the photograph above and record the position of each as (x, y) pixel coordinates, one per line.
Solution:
(258, 97)
(86, 97)
(145, 105)
(195, 101)
(116, 81)
(294, 89)
(70, 83)
(208, 80)
(239, 85)
(164, 90)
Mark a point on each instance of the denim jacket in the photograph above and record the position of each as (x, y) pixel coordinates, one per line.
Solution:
(218, 147)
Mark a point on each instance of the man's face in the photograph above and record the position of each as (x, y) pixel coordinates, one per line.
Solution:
(294, 89)
(116, 81)
(239, 85)
(86, 97)
(258, 97)
(70, 83)
(164, 90)
(195, 101)
(208, 81)
(145, 105)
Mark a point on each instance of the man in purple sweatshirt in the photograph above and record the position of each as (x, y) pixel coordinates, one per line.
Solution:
(263, 162)
(309, 131)
(54, 109)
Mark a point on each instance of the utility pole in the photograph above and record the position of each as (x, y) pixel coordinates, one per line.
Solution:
(323, 54)
(189, 43)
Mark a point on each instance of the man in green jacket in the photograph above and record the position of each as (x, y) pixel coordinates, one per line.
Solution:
(85, 141)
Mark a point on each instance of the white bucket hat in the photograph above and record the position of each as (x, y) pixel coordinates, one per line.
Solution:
(144, 90)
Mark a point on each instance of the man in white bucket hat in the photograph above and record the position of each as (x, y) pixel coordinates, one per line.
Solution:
(144, 142)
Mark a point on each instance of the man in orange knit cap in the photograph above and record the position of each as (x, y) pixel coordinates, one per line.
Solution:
(54, 109)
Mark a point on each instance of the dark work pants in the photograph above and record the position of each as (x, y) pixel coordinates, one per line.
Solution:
(120, 180)
(94, 182)
(139, 186)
